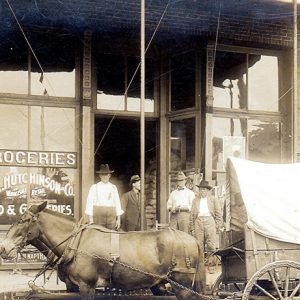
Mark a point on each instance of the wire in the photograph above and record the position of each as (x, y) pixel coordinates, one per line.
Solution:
(38, 62)
(133, 76)
(216, 41)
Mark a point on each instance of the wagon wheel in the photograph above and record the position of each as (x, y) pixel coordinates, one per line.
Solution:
(216, 286)
(275, 288)
(219, 287)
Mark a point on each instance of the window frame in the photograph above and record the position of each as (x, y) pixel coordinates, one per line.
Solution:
(212, 111)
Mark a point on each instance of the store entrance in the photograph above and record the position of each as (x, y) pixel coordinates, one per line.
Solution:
(118, 144)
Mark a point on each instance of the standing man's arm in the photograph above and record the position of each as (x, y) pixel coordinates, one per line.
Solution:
(192, 219)
(90, 203)
(190, 200)
(119, 210)
(124, 202)
(171, 203)
(218, 215)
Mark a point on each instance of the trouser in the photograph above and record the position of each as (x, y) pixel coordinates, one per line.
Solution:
(180, 221)
(104, 216)
(205, 233)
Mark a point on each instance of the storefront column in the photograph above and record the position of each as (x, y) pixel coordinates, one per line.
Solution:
(296, 102)
(163, 150)
(209, 115)
(87, 121)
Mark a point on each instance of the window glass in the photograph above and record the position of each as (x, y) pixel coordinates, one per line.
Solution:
(182, 141)
(58, 84)
(228, 138)
(263, 83)
(264, 141)
(182, 70)
(110, 82)
(14, 67)
(13, 126)
(133, 95)
(35, 128)
(56, 56)
(14, 82)
(115, 73)
(52, 128)
(229, 85)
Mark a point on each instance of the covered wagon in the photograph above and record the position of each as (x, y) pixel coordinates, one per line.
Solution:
(260, 248)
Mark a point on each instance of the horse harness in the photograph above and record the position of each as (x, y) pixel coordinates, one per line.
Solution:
(72, 248)
(74, 239)
(188, 268)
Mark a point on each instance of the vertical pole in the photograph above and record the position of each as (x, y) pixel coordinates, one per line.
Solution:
(295, 83)
(142, 108)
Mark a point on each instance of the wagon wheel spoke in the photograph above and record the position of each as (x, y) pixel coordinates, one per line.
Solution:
(296, 289)
(287, 281)
(237, 287)
(264, 291)
(275, 284)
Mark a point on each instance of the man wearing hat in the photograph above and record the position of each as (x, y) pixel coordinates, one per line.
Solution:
(205, 218)
(103, 205)
(179, 204)
(131, 204)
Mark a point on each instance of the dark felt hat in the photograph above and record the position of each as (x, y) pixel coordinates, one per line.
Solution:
(204, 185)
(104, 169)
(134, 179)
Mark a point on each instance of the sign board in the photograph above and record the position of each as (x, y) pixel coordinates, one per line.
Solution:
(28, 256)
(25, 158)
(23, 187)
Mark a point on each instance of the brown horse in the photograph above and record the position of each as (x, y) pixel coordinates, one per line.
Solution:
(143, 260)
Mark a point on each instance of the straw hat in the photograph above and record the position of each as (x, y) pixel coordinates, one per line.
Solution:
(180, 176)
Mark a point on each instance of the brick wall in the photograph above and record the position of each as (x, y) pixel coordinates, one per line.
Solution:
(241, 20)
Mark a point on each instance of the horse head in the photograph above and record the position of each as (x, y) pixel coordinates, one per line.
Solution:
(21, 233)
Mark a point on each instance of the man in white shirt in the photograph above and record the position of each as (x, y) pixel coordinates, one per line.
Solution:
(180, 203)
(205, 218)
(103, 205)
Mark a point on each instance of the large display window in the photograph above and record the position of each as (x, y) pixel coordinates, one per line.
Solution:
(183, 81)
(118, 83)
(49, 71)
(245, 116)
(38, 159)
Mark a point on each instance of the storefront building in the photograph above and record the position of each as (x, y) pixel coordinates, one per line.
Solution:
(218, 83)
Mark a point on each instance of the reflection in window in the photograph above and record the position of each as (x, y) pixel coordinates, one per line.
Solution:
(226, 128)
(182, 143)
(52, 128)
(110, 82)
(107, 101)
(229, 88)
(182, 69)
(14, 82)
(60, 84)
(263, 83)
(13, 126)
(56, 55)
(264, 141)
(114, 74)
(14, 66)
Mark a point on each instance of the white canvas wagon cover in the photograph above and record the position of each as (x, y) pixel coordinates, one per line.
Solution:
(266, 197)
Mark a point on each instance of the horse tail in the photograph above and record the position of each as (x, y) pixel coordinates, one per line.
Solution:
(200, 278)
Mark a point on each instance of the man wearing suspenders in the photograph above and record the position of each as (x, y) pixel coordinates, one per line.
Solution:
(103, 205)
